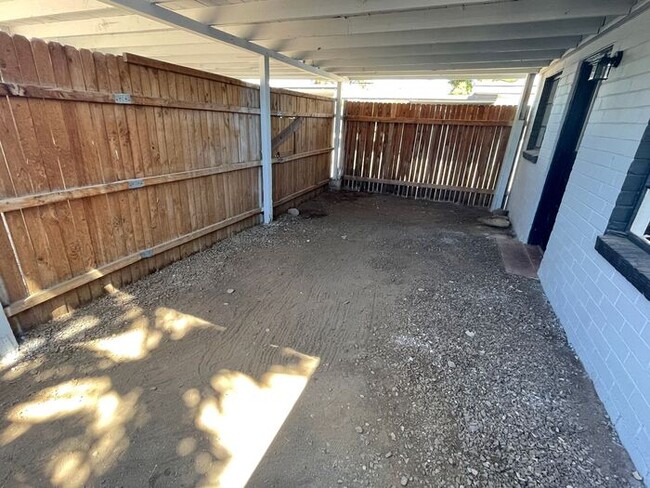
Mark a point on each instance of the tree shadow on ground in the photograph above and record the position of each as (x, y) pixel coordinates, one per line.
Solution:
(147, 395)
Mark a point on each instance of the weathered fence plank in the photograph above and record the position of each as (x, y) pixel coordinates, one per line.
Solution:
(432, 151)
(97, 190)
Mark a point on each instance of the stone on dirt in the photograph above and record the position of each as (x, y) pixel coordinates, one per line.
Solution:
(519, 409)
(497, 221)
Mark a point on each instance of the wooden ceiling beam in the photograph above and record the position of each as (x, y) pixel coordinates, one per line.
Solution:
(524, 66)
(492, 58)
(511, 45)
(286, 10)
(41, 11)
(500, 32)
(477, 15)
(176, 20)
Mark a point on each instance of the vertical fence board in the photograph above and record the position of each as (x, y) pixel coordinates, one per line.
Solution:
(56, 254)
(438, 152)
(314, 134)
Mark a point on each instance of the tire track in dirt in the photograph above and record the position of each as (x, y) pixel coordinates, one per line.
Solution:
(342, 288)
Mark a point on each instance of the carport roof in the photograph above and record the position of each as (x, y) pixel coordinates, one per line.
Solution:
(353, 39)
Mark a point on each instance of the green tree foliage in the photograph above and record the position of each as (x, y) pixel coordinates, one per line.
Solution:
(461, 87)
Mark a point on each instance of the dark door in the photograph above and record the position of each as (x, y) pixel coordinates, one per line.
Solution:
(564, 157)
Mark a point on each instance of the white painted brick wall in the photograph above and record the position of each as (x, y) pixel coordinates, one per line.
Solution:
(7, 340)
(606, 319)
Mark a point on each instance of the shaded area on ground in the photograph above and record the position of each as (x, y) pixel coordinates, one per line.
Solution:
(370, 341)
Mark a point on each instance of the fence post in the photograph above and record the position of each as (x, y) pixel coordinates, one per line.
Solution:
(265, 140)
(337, 155)
(516, 133)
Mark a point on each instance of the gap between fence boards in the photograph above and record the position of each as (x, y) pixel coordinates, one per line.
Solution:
(419, 185)
(94, 274)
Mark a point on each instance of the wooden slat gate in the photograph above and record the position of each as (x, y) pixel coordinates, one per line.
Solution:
(437, 152)
(114, 166)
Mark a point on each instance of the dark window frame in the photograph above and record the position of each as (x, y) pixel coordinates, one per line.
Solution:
(644, 193)
(542, 116)
(628, 253)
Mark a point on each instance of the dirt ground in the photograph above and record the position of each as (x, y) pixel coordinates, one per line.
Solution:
(370, 341)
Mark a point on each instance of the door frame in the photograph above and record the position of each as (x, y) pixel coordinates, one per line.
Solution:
(575, 120)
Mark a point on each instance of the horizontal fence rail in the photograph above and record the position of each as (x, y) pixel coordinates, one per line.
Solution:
(115, 166)
(438, 152)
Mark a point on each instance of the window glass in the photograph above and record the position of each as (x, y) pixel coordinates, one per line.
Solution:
(543, 113)
(640, 226)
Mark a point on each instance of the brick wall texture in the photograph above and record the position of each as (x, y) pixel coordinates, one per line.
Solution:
(606, 319)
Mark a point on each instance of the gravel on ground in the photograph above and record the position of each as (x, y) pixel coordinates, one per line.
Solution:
(366, 341)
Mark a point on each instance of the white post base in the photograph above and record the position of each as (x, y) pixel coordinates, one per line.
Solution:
(7, 340)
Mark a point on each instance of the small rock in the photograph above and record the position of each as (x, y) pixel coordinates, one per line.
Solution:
(153, 388)
(403, 481)
(451, 364)
(637, 476)
(359, 429)
(498, 221)
(230, 290)
(469, 333)
(388, 454)
(472, 471)
(293, 211)
(420, 289)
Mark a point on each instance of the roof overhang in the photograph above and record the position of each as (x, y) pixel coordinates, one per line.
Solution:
(335, 40)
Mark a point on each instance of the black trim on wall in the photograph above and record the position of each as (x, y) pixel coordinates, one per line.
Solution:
(543, 114)
(628, 259)
(633, 187)
(564, 156)
(623, 251)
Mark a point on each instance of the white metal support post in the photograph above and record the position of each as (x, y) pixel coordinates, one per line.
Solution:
(516, 133)
(7, 340)
(265, 140)
(337, 155)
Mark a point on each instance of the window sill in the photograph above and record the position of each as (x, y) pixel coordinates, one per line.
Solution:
(628, 258)
(530, 155)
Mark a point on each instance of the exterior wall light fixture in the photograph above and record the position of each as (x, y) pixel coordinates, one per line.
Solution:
(600, 69)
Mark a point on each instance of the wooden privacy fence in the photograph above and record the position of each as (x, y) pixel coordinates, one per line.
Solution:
(438, 152)
(114, 166)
